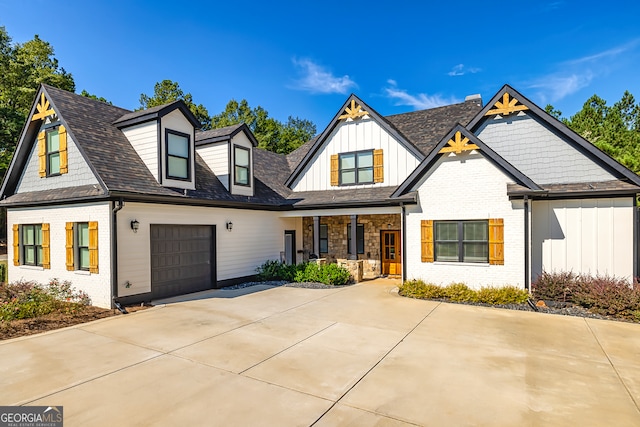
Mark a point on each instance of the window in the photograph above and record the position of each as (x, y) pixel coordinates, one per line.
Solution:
(178, 155)
(32, 253)
(359, 238)
(356, 167)
(82, 246)
(241, 159)
(462, 241)
(324, 238)
(53, 152)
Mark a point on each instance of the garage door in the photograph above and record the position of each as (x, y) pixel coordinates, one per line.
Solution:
(182, 259)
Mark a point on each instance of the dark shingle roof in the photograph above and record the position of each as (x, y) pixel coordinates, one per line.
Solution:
(272, 169)
(425, 128)
(217, 133)
(583, 189)
(373, 196)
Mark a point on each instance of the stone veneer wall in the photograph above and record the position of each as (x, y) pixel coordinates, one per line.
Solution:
(337, 232)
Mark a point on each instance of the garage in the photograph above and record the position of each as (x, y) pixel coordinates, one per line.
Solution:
(182, 259)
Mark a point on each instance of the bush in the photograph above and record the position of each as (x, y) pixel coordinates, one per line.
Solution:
(555, 286)
(329, 274)
(459, 292)
(26, 299)
(419, 289)
(276, 270)
(503, 295)
(3, 273)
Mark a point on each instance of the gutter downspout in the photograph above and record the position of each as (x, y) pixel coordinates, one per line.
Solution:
(527, 278)
(403, 233)
(114, 250)
(636, 224)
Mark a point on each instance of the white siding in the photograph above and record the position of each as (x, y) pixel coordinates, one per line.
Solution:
(539, 152)
(241, 140)
(591, 236)
(257, 236)
(216, 156)
(79, 171)
(175, 120)
(98, 286)
(144, 139)
(365, 134)
(463, 188)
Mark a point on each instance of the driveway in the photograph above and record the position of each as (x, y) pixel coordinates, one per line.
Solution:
(354, 356)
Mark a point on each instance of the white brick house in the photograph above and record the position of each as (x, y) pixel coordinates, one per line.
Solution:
(140, 205)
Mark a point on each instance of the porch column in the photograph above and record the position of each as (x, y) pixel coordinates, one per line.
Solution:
(316, 235)
(353, 248)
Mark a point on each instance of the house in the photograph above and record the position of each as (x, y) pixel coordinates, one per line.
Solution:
(142, 205)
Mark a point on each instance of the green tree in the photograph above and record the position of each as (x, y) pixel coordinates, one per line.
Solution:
(23, 67)
(271, 134)
(613, 129)
(168, 91)
(92, 96)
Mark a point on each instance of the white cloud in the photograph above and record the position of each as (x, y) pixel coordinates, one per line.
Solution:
(419, 101)
(316, 79)
(553, 88)
(461, 70)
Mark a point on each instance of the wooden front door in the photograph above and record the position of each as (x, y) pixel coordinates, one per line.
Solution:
(391, 259)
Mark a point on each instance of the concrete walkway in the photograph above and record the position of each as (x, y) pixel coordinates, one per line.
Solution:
(355, 356)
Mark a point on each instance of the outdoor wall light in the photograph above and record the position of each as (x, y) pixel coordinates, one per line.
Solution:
(389, 226)
(229, 225)
(135, 225)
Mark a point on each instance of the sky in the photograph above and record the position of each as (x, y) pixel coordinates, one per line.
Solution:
(304, 58)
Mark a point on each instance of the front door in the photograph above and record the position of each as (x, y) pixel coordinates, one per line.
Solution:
(391, 259)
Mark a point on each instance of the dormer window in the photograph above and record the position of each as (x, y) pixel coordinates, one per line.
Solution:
(178, 157)
(53, 152)
(242, 172)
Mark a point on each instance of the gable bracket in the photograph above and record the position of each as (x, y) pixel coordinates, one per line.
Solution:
(43, 109)
(458, 144)
(507, 106)
(353, 112)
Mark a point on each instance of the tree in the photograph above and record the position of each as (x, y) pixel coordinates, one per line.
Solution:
(271, 134)
(91, 96)
(168, 91)
(23, 67)
(613, 129)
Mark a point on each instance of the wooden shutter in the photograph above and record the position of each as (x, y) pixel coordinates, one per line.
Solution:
(378, 166)
(93, 246)
(64, 160)
(46, 250)
(496, 241)
(426, 240)
(335, 170)
(69, 246)
(16, 244)
(42, 153)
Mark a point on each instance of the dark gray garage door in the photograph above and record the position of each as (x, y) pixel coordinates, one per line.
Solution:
(182, 259)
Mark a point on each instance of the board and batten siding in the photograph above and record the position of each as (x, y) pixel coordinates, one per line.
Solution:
(591, 236)
(365, 134)
(216, 156)
(466, 187)
(96, 285)
(176, 121)
(79, 173)
(144, 139)
(539, 152)
(257, 236)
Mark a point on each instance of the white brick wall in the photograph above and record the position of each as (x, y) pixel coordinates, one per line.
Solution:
(462, 188)
(98, 286)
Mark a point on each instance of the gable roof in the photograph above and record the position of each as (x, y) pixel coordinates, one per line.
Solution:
(224, 134)
(487, 152)
(153, 113)
(584, 146)
(320, 140)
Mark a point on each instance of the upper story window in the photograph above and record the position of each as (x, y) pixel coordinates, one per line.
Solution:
(53, 152)
(356, 167)
(178, 155)
(242, 171)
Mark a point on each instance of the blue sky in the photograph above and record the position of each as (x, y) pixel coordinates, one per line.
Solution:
(304, 58)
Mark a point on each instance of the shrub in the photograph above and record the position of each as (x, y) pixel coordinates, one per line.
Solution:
(3, 273)
(418, 289)
(276, 270)
(329, 274)
(26, 299)
(609, 296)
(459, 292)
(502, 295)
(555, 286)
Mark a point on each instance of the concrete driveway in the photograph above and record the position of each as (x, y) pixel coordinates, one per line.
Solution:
(355, 356)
